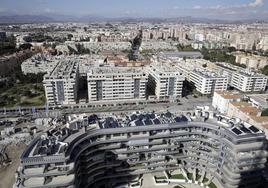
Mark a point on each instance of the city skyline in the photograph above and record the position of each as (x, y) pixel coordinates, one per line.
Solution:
(216, 9)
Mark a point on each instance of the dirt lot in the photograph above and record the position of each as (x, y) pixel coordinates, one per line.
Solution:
(7, 174)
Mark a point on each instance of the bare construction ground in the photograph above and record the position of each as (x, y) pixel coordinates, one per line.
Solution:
(7, 173)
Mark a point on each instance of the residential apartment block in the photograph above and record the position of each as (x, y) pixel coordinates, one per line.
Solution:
(61, 84)
(94, 152)
(248, 81)
(116, 83)
(242, 79)
(165, 81)
(206, 82)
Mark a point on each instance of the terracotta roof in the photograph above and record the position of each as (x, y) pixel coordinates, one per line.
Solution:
(253, 111)
(247, 108)
(228, 95)
(240, 104)
(261, 119)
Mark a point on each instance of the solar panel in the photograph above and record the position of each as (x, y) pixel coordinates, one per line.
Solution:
(55, 148)
(44, 142)
(92, 119)
(148, 122)
(254, 129)
(141, 116)
(168, 115)
(133, 117)
(139, 123)
(183, 118)
(156, 121)
(236, 131)
(245, 130)
(42, 150)
(152, 116)
(177, 119)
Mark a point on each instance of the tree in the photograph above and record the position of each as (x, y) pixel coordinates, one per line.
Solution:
(25, 46)
(231, 49)
(70, 36)
(265, 70)
(27, 39)
(264, 112)
(254, 47)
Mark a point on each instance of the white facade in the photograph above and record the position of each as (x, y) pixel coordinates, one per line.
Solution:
(61, 84)
(207, 82)
(165, 81)
(248, 81)
(221, 100)
(116, 83)
(252, 61)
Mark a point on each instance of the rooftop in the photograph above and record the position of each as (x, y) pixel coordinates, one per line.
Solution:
(181, 54)
(64, 69)
(116, 70)
(162, 68)
(247, 108)
(55, 141)
(228, 95)
(259, 99)
(206, 73)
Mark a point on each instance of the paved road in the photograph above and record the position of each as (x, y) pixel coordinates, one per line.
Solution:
(185, 104)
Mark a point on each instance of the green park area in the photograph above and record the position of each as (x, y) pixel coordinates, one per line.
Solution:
(177, 176)
(30, 94)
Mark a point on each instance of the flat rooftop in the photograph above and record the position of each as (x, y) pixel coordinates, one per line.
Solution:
(207, 74)
(161, 68)
(228, 95)
(250, 74)
(247, 108)
(55, 142)
(116, 70)
(260, 99)
(181, 54)
(64, 69)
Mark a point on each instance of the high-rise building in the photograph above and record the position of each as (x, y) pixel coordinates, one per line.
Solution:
(91, 151)
(116, 83)
(61, 84)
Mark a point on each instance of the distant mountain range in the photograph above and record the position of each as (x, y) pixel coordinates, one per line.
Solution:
(5, 19)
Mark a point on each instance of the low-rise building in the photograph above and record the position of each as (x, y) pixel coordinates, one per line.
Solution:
(243, 110)
(221, 100)
(258, 100)
(261, 123)
(252, 61)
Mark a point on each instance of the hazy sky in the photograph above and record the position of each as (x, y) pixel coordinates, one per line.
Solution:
(224, 9)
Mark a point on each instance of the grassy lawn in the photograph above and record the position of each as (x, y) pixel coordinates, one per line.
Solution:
(177, 176)
(205, 180)
(190, 176)
(23, 95)
(212, 185)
